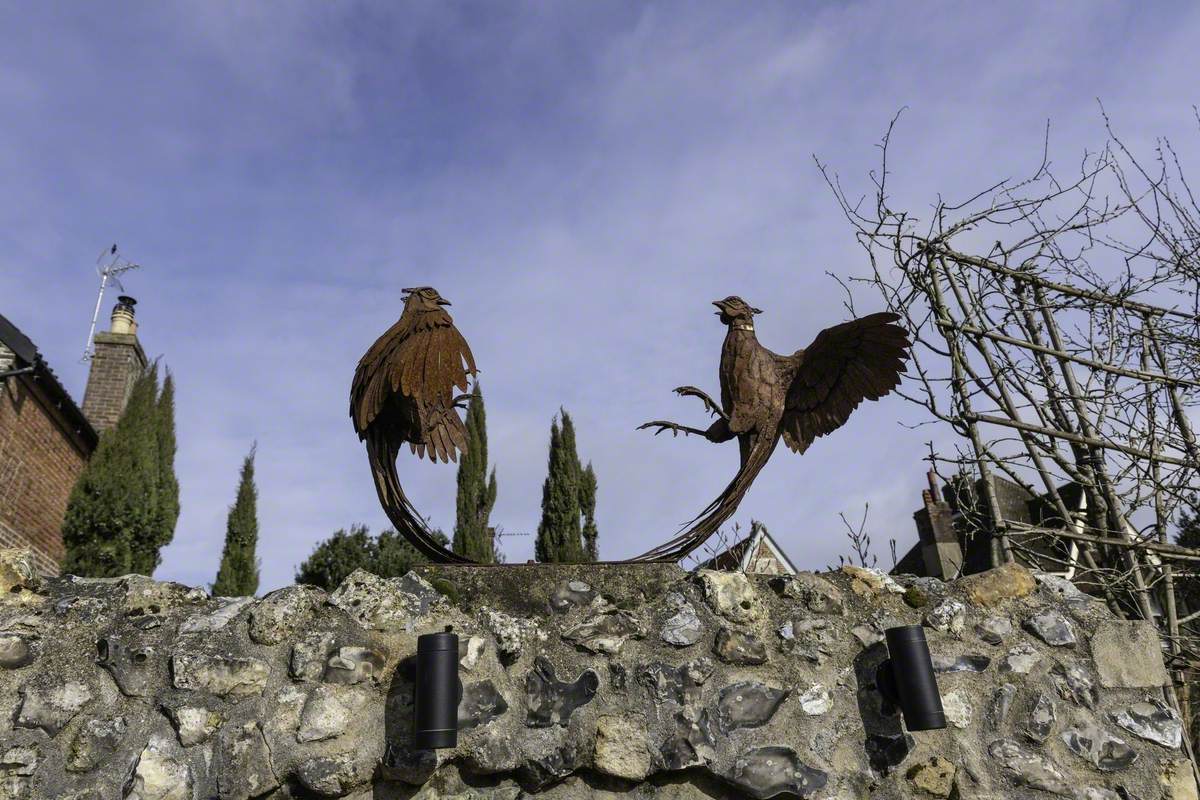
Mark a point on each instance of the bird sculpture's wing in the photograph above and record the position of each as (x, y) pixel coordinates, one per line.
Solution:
(845, 364)
(412, 372)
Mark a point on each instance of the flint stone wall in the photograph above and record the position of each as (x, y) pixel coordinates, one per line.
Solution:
(579, 682)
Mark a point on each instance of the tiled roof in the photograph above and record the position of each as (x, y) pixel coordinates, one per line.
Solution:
(731, 559)
(735, 557)
(28, 356)
(16, 341)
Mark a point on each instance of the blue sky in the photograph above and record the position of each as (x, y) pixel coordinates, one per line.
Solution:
(580, 179)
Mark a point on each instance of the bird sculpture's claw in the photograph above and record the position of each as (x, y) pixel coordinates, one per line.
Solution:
(709, 403)
(674, 427)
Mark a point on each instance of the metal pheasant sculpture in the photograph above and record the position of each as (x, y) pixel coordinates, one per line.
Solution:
(403, 392)
(766, 397)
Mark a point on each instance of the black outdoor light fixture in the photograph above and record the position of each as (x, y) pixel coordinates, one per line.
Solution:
(906, 679)
(436, 691)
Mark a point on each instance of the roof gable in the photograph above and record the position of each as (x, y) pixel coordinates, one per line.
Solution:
(742, 555)
(45, 379)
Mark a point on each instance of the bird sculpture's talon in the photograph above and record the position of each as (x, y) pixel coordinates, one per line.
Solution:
(709, 403)
(674, 427)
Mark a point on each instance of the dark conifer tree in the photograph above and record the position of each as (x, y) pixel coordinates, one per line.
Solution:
(112, 520)
(559, 534)
(476, 490)
(168, 485)
(238, 573)
(587, 505)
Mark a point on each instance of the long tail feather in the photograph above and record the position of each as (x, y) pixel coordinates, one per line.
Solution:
(397, 506)
(720, 509)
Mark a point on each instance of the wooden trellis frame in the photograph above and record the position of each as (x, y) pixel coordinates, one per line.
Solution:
(1062, 357)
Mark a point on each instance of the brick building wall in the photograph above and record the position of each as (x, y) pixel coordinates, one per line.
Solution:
(41, 457)
(116, 364)
(764, 561)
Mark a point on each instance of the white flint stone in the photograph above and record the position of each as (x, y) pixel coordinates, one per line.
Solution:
(867, 634)
(19, 761)
(51, 708)
(328, 712)
(868, 581)
(511, 633)
(1021, 659)
(284, 611)
(623, 748)
(958, 709)
(385, 603)
(216, 620)
(948, 615)
(195, 724)
(731, 595)
(475, 646)
(816, 701)
(161, 776)
(220, 674)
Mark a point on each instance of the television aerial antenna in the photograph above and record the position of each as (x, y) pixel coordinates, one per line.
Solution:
(109, 264)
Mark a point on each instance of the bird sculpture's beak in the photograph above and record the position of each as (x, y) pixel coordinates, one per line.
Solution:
(719, 304)
(443, 301)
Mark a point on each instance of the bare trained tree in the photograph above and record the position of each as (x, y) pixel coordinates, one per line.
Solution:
(1057, 333)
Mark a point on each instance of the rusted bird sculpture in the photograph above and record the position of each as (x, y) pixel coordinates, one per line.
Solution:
(766, 397)
(403, 392)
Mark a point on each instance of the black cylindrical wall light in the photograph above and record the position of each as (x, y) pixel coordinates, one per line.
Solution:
(906, 679)
(437, 692)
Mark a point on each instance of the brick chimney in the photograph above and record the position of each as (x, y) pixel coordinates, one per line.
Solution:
(117, 362)
(940, 547)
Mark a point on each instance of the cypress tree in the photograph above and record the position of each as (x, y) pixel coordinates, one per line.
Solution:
(168, 485)
(143, 546)
(112, 515)
(559, 534)
(238, 573)
(587, 504)
(476, 491)
(545, 548)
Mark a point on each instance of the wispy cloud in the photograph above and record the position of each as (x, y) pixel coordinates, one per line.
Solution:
(580, 180)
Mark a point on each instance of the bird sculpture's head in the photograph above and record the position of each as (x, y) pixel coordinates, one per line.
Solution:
(734, 309)
(424, 298)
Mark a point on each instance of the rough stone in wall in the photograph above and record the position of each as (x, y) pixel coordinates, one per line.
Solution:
(580, 682)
